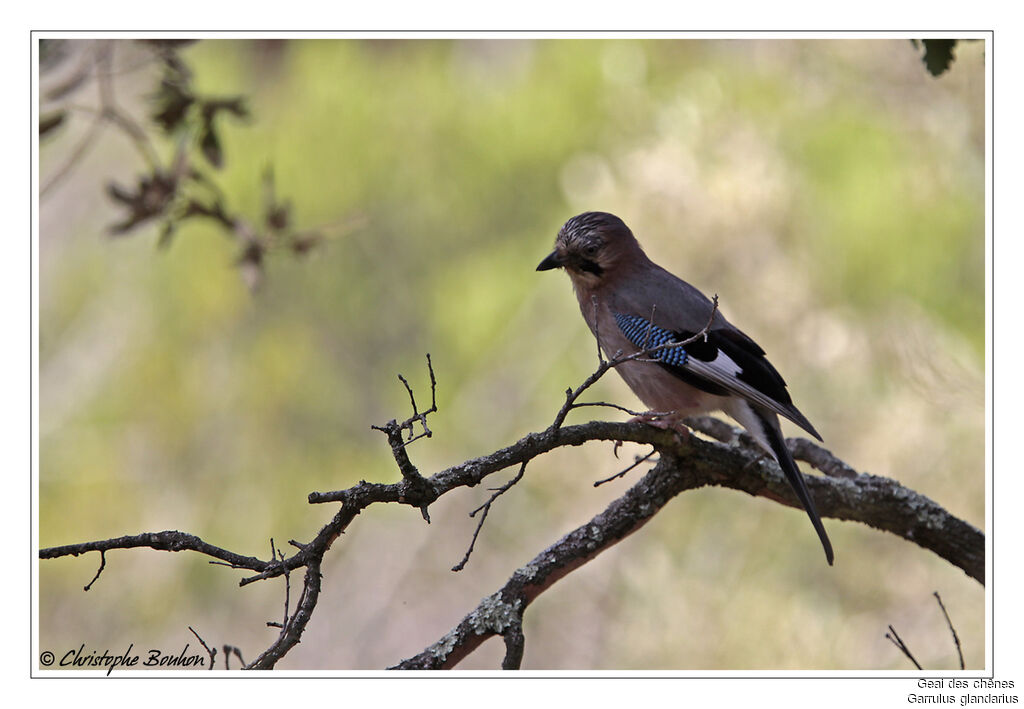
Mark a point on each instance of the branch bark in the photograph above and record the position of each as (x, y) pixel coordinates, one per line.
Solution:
(685, 462)
(879, 502)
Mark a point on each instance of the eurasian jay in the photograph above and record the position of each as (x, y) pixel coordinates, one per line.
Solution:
(632, 304)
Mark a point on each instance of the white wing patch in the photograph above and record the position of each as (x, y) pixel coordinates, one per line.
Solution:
(723, 370)
(725, 364)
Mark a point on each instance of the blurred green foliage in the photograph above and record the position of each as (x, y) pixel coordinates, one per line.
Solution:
(831, 193)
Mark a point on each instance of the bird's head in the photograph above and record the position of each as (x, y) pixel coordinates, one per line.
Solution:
(593, 247)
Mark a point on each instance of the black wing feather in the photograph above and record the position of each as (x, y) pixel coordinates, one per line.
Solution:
(756, 371)
(755, 378)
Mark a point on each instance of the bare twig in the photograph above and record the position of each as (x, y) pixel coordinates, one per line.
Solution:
(292, 632)
(571, 395)
(164, 541)
(619, 474)
(212, 652)
(287, 590)
(279, 555)
(230, 650)
(103, 564)
(417, 486)
(416, 414)
(956, 638)
(650, 327)
(486, 507)
(896, 640)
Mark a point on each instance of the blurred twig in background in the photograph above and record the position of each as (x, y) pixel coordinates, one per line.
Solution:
(180, 188)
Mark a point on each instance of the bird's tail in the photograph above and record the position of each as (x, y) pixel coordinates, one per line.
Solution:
(796, 479)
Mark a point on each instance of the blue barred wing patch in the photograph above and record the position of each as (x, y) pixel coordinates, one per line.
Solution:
(644, 335)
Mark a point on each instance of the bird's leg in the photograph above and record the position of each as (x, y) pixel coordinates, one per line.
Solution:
(651, 420)
(664, 421)
(667, 421)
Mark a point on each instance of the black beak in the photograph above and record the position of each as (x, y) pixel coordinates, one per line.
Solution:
(552, 261)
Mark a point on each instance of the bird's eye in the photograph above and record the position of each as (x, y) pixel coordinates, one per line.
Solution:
(590, 250)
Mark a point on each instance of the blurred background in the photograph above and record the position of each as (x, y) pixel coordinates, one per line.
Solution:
(831, 192)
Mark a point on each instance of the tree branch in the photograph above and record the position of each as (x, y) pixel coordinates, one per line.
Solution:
(684, 465)
(685, 462)
(162, 541)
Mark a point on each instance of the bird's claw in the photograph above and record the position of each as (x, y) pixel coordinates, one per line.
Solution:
(666, 423)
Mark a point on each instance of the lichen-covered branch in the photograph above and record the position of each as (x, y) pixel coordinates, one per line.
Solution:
(686, 464)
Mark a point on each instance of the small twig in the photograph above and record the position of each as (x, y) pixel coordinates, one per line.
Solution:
(108, 112)
(292, 632)
(417, 415)
(212, 652)
(76, 156)
(619, 474)
(711, 318)
(896, 640)
(164, 541)
(571, 395)
(956, 638)
(418, 488)
(650, 326)
(472, 542)
(232, 650)
(433, 385)
(412, 399)
(584, 404)
(631, 412)
(279, 555)
(103, 563)
(486, 507)
(498, 491)
(287, 589)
